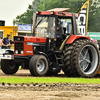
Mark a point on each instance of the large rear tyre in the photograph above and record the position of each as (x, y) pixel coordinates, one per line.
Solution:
(82, 59)
(9, 66)
(38, 65)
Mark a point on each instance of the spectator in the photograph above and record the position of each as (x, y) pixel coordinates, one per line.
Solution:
(6, 42)
(12, 42)
(59, 29)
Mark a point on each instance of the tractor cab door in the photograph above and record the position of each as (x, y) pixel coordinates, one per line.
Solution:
(66, 26)
(46, 27)
(70, 26)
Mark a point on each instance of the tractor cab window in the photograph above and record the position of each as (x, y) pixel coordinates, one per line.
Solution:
(45, 26)
(67, 25)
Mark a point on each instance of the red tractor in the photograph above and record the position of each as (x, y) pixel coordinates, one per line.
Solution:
(46, 53)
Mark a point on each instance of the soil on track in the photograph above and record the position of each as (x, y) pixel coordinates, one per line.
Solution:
(50, 93)
(57, 92)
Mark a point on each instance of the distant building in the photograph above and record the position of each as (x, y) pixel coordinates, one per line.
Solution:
(2, 23)
(25, 29)
(4, 30)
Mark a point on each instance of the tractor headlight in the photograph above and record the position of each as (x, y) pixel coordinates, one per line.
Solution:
(52, 12)
(22, 52)
(16, 51)
(37, 12)
(34, 48)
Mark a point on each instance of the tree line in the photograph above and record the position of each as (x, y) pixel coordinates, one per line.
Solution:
(74, 5)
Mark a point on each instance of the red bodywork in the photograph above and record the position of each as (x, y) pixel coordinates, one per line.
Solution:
(28, 49)
(34, 39)
(67, 14)
(75, 37)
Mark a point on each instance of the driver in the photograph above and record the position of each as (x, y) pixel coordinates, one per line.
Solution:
(60, 34)
(60, 31)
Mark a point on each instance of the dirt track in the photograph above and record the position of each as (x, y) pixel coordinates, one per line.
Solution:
(20, 73)
(48, 91)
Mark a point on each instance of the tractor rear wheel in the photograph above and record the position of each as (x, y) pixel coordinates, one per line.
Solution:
(9, 66)
(81, 59)
(38, 65)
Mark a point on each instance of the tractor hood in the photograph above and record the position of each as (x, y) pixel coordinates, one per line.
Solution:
(30, 39)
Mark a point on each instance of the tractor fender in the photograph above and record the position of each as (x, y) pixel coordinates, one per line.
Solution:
(70, 39)
(75, 37)
(42, 53)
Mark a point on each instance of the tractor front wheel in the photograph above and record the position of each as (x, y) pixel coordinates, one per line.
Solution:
(38, 65)
(9, 66)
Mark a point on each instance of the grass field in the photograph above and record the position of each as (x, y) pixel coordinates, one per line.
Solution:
(51, 80)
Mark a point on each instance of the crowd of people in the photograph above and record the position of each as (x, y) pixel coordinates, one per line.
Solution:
(6, 43)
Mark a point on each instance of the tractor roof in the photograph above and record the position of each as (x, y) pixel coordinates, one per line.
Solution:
(57, 11)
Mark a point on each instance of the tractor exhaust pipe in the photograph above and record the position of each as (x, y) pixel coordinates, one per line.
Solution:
(34, 19)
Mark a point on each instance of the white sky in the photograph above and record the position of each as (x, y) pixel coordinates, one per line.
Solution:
(9, 9)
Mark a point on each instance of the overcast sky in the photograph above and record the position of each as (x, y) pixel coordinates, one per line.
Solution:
(9, 9)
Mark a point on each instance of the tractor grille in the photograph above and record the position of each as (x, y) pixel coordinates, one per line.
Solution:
(19, 48)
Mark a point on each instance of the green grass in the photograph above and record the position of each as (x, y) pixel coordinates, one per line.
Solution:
(50, 80)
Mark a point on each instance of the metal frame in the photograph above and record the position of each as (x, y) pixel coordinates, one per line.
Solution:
(74, 24)
(50, 16)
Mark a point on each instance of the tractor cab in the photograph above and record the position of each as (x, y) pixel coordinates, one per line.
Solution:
(45, 25)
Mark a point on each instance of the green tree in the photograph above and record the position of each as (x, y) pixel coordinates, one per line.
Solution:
(74, 5)
(94, 18)
(44, 5)
(26, 17)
